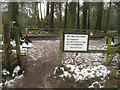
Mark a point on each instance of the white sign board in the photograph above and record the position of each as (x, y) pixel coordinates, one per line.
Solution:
(75, 42)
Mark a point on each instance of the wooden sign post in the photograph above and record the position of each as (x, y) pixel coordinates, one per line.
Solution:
(72, 42)
(60, 52)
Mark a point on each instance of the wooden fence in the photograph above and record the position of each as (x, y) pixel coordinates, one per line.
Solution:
(95, 33)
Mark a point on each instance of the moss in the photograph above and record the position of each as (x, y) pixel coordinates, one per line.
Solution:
(113, 74)
(59, 71)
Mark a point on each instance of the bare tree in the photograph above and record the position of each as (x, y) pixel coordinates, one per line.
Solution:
(88, 15)
(78, 19)
(119, 21)
(108, 15)
(65, 22)
(40, 11)
(72, 15)
(37, 16)
(52, 15)
(99, 16)
(47, 11)
(60, 11)
(84, 15)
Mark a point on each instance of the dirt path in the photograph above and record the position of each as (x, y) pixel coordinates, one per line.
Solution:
(40, 61)
(38, 64)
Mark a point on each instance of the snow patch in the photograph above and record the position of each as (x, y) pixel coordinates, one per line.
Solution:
(16, 70)
(112, 43)
(5, 72)
(65, 74)
(1, 51)
(1, 43)
(24, 47)
(98, 83)
(88, 72)
(13, 43)
(1, 84)
(85, 73)
(10, 82)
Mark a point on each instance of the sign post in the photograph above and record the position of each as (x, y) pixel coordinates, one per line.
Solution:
(60, 52)
(72, 42)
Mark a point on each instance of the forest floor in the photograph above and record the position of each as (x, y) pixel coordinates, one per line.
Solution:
(40, 60)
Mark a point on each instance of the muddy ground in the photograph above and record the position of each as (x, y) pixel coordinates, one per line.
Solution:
(40, 61)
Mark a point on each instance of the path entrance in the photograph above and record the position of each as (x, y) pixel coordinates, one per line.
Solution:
(42, 58)
(39, 63)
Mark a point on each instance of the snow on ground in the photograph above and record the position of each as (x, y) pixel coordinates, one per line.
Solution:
(80, 66)
(98, 83)
(15, 76)
(15, 72)
(24, 47)
(1, 43)
(80, 73)
(84, 66)
(1, 51)
(5, 72)
(10, 82)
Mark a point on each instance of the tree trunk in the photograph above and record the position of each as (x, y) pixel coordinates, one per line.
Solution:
(13, 12)
(59, 15)
(89, 16)
(78, 19)
(52, 15)
(65, 22)
(108, 15)
(119, 29)
(99, 16)
(17, 41)
(119, 21)
(38, 18)
(72, 14)
(84, 15)
(7, 62)
(60, 6)
(41, 12)
(44, 10)
(47, 13)
(35, 14)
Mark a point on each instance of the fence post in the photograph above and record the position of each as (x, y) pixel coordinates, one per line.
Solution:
(26, 31)
(108, 49)
(60, 51)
